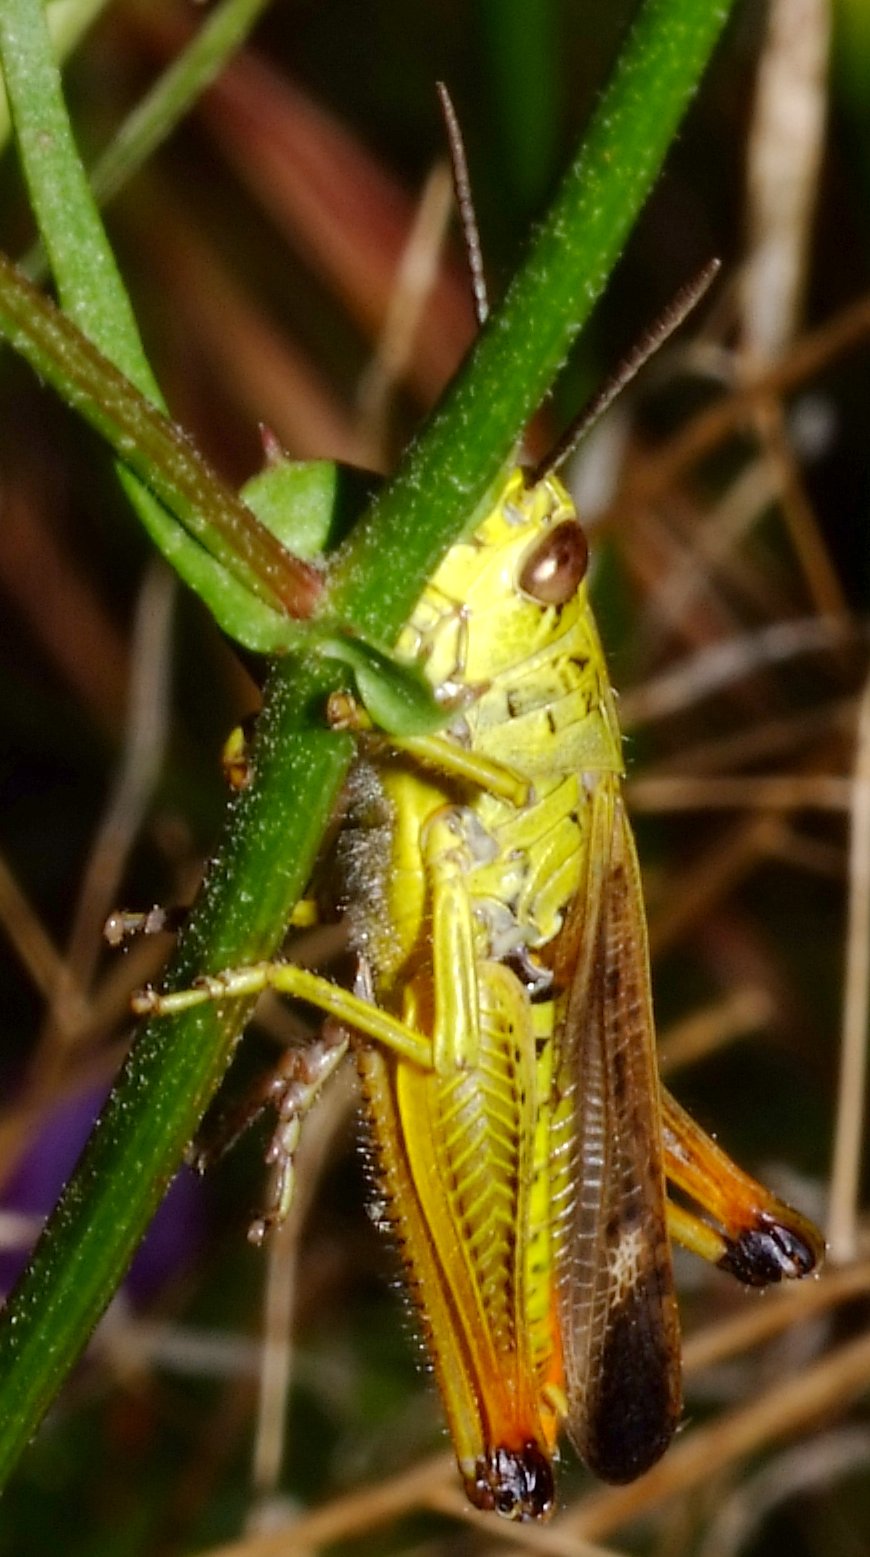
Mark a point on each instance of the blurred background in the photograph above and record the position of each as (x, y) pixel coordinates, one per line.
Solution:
(293, 260)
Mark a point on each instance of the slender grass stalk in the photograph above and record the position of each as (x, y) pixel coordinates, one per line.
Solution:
(251, 583)
(68, 21)
(449, 468)
(90, 288)
(174, 93)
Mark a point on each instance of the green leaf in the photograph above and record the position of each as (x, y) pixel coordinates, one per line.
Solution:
(308, 505)
(397, 697)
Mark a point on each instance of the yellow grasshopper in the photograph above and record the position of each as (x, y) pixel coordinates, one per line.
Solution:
(503, 1030)
(502, 1020)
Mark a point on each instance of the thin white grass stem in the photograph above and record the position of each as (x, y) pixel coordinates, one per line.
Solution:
(849, 1131)
(141, 761)
(780, 792)
(722, 664)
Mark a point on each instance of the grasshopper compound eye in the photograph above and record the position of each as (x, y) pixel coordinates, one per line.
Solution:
(554, 570)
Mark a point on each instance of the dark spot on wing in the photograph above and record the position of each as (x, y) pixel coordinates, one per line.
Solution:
(636, 1404)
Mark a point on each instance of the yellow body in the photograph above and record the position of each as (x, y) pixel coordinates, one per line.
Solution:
(458, 920)
(504, 1032)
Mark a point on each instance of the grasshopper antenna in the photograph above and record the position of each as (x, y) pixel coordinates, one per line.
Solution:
(464, 202)
(655, 336)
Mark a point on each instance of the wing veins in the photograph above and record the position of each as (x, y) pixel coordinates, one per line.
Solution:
(618, 1310)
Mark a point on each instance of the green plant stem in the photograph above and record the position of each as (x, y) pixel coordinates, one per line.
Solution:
(521, 48)
(93, 294)
(222, 32)
(171, 97)
(82, 263)
(268, 843)
(175, 1066)
(68, 21)
(449, 468)
(254, 566)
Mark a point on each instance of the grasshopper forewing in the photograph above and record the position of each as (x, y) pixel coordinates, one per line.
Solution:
(502, 1024)
(620, 1328)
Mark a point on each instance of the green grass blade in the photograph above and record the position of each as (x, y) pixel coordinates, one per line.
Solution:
(251, 583)
(68, 21)
(92, 293)
(172, 96)
(448, 469)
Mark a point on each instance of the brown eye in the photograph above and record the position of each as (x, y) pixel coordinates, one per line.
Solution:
(552, 573)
